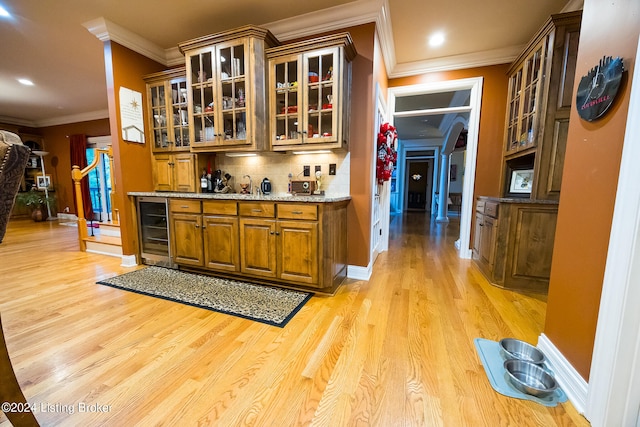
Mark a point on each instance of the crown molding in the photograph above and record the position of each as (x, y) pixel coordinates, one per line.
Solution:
(7, 120)
(106, 30)
(573, 5)
(458, 62)
(74, 118)
(174, 57)
(62, 120)
(333, 18)
(385, 37)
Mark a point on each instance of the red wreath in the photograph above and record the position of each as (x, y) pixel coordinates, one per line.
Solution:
(387, 155)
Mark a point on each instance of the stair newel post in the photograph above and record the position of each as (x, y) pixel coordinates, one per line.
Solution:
(115, 212)
(76, 175)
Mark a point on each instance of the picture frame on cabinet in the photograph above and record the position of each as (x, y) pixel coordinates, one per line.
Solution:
(521, 181)
(43, 182)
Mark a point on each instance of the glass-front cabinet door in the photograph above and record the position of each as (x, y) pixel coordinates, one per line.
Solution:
(233, 85)
(309, 87)
(180, 115)
(286, 114)
(200, 66)
(525, 87)
(513, 111)
(219, 87)
(320, 118)
(167, 110)
(158, 112)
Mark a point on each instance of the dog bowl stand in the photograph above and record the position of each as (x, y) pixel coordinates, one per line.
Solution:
(493, 363)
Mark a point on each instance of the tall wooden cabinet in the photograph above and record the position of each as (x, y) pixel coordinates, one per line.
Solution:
(227, 97)
(167, 120)
(309, 89)
(514, 234)
(538, 107)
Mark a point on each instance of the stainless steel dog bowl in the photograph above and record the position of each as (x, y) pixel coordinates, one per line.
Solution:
(530, 378)
(515, 349)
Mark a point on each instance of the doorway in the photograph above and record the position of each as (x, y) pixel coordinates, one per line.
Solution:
(472, 109)
(419, 185)
(99, 180)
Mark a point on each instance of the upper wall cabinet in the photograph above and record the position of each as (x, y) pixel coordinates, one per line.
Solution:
(309, 87)
(167, 110)
(538, 108)
(226, 89)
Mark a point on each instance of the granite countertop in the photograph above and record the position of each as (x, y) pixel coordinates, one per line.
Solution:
(518, 200)
(237, 196)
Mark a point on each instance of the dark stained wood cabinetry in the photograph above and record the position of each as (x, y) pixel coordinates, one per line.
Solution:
(514, 235)
(513, 243)
(539, 104)
(293, 244)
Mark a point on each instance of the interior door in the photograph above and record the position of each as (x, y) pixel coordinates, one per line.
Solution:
(418, 196)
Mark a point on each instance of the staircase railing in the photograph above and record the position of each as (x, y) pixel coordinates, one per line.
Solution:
(77, 174)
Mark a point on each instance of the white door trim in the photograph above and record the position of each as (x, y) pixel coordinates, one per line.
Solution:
(475, 85)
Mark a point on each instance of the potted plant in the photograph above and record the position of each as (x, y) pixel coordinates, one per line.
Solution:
(36, 203)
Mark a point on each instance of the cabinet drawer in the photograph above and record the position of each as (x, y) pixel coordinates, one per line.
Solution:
(219, 207)
(263, 210)
(295, 211)
(491, 209)
(480, 206)
(186, 206)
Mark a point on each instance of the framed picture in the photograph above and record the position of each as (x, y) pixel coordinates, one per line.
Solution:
(521, 181)
(43, 182)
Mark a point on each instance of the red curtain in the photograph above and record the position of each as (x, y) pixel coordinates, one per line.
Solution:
(79, 158)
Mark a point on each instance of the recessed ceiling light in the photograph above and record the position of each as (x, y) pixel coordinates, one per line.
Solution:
(436, 39)
(25, 82)
(4, 12)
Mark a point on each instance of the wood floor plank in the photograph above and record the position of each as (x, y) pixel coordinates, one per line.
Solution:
(396, 350)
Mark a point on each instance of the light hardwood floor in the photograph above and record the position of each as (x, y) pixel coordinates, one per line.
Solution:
(394, 351)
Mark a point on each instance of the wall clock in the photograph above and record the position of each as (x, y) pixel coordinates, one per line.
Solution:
(598, 88)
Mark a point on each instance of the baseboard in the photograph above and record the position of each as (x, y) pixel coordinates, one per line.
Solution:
(568, 378)
(66, 216)
(359, 273)
(129, 261)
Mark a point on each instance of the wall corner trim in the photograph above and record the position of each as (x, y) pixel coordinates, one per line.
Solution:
(359, 273)
(568, 378)
(129, 261)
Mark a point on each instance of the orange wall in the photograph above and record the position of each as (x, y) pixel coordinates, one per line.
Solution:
(589, 184)
(125, 68)
(492, 117)
(58, 162)
(361, 137)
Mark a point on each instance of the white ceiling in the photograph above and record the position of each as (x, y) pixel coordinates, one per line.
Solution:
(51, 42)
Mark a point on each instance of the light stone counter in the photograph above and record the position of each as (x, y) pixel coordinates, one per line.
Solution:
(237, 196)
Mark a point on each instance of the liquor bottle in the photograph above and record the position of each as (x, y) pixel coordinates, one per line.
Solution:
(203, 181)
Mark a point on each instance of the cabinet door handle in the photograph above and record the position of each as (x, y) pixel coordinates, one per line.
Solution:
(277, 233)
(272, 233)
(197, 226)
(297, 212)
(256, 210)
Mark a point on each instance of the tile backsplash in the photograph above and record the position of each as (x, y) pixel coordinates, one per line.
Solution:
(277, 168)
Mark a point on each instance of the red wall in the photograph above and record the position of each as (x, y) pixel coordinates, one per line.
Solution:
(57, 143)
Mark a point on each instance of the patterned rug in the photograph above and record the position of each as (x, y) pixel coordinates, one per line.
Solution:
(270, 305)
